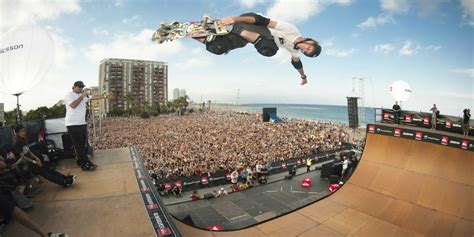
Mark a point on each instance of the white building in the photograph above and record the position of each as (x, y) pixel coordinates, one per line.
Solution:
(182, 93)
(175, 93)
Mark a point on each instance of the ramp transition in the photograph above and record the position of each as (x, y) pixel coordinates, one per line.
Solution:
(401, 188)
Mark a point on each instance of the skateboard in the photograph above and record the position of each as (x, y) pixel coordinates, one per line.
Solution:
(194, 29)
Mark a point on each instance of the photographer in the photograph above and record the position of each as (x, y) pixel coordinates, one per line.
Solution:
(465, 121)
(396, 112)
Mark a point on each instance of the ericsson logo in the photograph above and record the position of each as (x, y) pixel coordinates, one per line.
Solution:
(11, 48)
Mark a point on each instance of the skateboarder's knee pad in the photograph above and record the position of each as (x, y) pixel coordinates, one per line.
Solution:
(265, 46)
(220, 45)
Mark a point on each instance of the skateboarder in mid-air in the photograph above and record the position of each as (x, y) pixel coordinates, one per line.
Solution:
(222, 36)
(267, 36)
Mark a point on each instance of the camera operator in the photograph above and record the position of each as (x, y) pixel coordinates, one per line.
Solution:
(465, 121)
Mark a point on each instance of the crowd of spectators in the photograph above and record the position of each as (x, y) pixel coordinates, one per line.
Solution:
(200, 143)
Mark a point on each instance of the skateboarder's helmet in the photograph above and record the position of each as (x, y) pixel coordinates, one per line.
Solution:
(316, 49)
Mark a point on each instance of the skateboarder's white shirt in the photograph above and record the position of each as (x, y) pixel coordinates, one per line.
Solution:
(285, 35)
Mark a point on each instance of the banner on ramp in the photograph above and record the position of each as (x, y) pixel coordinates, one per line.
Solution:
(440, 139)
(159, 217)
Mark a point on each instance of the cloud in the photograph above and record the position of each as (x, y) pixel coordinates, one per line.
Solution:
(339, 52)
(100, 32)
(118, 3)
(29, 12)
(250, 3)
(383, 48)
(302, 10)
(410, 48)
(395, 5)
(64, 49)
(428, 7)
(328, 48)
(198, 59)
(355, 35)
(134, 20)
(136, 46)
(469, 72)
(468, 14)
(433, 47)
(372, 22)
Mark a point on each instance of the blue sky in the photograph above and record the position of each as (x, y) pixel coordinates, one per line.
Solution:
(427, 43)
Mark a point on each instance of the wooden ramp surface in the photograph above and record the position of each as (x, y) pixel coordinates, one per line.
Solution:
(400, 188)
(105, 202)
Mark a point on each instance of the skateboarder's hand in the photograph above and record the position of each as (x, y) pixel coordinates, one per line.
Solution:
(227, 21)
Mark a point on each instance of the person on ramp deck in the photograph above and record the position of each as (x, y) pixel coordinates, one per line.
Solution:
(267, 36)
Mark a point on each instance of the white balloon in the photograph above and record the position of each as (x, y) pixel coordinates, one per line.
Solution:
(400, 90)
(26, 55)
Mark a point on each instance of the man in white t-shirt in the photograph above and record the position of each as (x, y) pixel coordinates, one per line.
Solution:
(76, 124)
(285, 35)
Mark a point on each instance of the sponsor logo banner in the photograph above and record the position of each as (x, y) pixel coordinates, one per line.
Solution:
(444, 140)
(419, 136)
(158, 216)
(408, 134)
(426, 120)
(435, 138)
(447, 123)
(408, 118)
(204, 180)
(372, 128)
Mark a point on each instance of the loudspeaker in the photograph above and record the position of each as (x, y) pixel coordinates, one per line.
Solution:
(326, 170)
(208, 196)
(265, 112)
(334, 179)
(337, 169)
(352, 110)
(188, 220)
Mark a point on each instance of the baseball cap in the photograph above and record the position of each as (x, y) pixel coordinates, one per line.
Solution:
(79, 84)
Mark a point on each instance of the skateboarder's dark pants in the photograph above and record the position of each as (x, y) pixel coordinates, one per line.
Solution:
(225, 43)
(49, 174)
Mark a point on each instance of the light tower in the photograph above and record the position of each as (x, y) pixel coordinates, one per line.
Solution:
(358, 88)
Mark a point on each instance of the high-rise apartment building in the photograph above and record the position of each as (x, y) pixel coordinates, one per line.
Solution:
(134, 83)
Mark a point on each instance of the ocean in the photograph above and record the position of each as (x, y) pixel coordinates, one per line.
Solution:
(333, 113)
